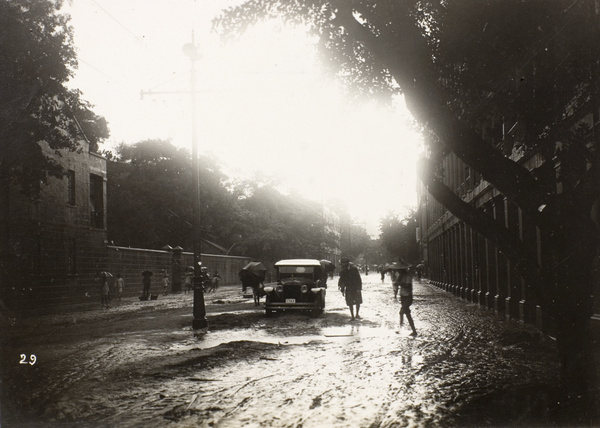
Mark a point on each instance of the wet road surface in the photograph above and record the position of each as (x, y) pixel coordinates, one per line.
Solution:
(139, 365)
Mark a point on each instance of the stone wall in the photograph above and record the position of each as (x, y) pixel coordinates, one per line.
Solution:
(131, 262)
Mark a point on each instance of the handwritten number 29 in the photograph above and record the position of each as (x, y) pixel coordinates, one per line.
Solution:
(31, 361)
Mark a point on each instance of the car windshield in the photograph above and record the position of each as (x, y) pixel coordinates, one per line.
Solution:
(296, 272)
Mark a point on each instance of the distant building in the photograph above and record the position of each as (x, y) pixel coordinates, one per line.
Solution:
(332, 227)
(57, 240)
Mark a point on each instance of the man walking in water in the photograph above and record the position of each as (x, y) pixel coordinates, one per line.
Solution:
(350, 284)
(404, 283)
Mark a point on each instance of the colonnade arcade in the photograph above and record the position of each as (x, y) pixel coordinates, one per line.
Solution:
(463, 262)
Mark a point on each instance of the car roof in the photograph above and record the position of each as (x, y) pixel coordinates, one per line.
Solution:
(298, 262)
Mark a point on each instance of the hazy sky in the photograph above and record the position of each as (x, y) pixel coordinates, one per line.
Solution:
(264, 104)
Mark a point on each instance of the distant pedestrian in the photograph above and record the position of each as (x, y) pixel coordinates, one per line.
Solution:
(394, 275)
(188, 283)
(216, 279)
(325, 269)
(382, 272)
(249, 280)
(146, 283)
(244, 280)
(350, 284)
(420, 270)
(104, 292)
(120, 285)
(404, 281)
(166, 284)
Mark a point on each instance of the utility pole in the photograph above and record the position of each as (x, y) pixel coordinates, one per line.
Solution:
(199, 311)
(199, 320)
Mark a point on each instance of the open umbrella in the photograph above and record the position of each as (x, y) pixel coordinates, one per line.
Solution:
(395, 266)
(327, 265)
(257, 269)
(146, 273)
(105, 274)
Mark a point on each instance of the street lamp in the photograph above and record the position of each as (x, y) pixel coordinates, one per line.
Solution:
(199, 321)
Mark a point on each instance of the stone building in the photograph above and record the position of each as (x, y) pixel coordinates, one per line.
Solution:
(461, 261)
(57, 239)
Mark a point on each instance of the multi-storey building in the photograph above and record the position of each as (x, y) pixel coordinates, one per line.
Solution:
(57, 239)
(465, 263)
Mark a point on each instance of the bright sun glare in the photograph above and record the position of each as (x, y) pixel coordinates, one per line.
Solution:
(264, 105)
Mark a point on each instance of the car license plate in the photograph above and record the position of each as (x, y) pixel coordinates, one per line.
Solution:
(290, 300)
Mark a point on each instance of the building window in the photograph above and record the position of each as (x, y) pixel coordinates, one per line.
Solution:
(97, 201)
(72, 252)
(71, 187)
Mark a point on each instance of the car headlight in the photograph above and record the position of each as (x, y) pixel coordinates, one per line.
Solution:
(268, 289)
(304, 288)
(279, 288)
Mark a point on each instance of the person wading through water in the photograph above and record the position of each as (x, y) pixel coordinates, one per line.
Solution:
(404, 283)
(350, 284)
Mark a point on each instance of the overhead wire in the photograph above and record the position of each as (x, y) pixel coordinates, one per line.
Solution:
(119, 22)
(136, 38)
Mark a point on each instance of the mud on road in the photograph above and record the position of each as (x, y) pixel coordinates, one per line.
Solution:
(141, 364)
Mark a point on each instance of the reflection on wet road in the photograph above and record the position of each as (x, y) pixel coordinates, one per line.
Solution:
(466, 367)
(368, 372)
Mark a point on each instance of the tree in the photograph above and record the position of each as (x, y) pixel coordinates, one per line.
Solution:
(398, 236)
(273, 226)
(151, 205)
(461, 63)
(354, 241)
(377, 252)
(37, 58)
(150, 194)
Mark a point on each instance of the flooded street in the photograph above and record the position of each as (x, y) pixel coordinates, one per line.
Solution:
(139, 365)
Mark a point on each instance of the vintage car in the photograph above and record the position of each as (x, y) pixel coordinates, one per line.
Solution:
(298, 287)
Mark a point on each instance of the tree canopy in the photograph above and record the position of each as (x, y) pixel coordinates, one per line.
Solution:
(399, 236)
(150, 194)
(37, 58)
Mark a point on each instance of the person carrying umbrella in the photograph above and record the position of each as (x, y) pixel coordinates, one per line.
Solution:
(350, 284)
(104, 288)
(394, 268)
(326, 267)
(404, 283)
(252, 275)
